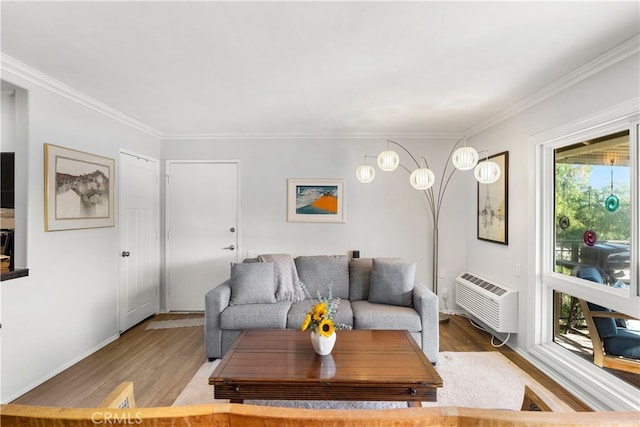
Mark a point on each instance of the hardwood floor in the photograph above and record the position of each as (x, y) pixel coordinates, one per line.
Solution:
(160, 362)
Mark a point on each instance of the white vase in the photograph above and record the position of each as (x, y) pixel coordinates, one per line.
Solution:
(323, 345)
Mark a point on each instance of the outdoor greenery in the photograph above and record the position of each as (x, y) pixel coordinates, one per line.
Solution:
(584, 205)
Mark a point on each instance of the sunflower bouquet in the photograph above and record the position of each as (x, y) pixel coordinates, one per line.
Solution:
(320, 318)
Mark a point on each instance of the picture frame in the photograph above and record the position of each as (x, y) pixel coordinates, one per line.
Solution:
(493, 204)
(316, 200)
(79, 189)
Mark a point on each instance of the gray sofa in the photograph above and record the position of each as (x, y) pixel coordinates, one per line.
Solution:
(379, 293)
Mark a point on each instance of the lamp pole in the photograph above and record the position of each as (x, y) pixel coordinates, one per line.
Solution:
(434, 200)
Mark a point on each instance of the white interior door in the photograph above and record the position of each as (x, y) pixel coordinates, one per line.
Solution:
(139, 275)
(202, 229)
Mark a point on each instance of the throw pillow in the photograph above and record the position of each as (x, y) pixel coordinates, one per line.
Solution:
(253, 283)
(392, 282)
(359, 278)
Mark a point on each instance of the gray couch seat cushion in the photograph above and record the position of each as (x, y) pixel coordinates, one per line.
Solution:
(253, 283)
(367, 315)
(392, 282)
(300, 309)
(318, 271)
(255, 316)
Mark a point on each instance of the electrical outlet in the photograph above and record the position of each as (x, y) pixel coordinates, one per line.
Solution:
(445, 293)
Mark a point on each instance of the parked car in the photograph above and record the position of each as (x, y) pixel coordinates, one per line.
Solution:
(611, 258)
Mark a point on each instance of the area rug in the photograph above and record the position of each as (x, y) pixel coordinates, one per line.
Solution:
(471, 379)
(179, 323)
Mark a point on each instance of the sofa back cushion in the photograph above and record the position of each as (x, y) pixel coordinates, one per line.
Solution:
(392, 282)
(359, 278)
(252, 283)
(318, 271)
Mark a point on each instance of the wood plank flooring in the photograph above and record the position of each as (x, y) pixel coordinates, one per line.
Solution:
(160, 362)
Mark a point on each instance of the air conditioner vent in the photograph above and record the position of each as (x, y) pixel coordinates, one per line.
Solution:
(494, 289)
(491, 303)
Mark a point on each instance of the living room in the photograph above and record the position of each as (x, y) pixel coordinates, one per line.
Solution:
(68, 305)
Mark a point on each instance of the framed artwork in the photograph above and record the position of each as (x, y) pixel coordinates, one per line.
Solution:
(79, 189)
(316, 200)
(493, 204)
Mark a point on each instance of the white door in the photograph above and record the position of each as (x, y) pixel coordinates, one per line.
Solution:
(139, 276)
(202, 229)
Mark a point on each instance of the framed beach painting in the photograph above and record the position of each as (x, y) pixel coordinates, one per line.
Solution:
(316, 200)
(79, 189)
(493, 204)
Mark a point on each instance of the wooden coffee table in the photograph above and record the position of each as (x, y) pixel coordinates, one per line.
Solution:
(364, 365)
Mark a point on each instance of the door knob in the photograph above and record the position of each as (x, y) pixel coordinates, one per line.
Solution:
(125, 254)
(232, 229)
(230, 247)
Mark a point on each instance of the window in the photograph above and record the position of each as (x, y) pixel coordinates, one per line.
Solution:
(586, 236)
(592, 210)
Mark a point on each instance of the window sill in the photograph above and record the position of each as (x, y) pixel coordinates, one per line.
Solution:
(14, 274)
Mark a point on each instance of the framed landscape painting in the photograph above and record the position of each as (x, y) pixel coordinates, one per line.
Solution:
(493, 204)
(79, 189)
(316, 200)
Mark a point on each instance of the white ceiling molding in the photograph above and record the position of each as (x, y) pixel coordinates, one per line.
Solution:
(307, 136)
(24, 71)
(619, 53)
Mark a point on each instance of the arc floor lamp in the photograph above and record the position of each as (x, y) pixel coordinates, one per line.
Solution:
(423, 179)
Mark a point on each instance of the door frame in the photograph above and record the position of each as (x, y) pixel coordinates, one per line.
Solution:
(157, 231)
(165, 240)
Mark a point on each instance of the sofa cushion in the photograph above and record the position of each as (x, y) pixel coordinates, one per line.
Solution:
(318, 271)
(252, 283)
(359, 278)
(300, 309)
(255, 316)
(367, 315)
(392, 282)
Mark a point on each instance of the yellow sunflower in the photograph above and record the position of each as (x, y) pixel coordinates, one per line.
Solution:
(319, 311)
(326, 328)
(306, 322)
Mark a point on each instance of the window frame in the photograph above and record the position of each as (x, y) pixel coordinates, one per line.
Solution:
(583, 378)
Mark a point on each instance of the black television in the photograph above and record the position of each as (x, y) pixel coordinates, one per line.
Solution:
(7, 180)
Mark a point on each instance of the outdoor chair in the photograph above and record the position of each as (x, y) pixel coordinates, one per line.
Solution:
(614, 345)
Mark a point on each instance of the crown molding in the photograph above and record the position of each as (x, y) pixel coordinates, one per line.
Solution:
(619, 53)
(311, 136)
(11, 65)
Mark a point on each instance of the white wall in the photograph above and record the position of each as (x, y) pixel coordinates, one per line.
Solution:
(66, 307)
(385, 218)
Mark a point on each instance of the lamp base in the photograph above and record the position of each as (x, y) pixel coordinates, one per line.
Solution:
(444, 318)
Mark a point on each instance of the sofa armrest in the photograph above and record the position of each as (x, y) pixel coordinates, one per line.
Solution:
(215, 301)
(426, 304)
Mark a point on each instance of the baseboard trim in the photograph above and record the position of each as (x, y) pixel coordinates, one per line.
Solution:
(61, 368)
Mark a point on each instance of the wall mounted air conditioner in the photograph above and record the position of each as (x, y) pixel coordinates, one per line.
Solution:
(493, 304)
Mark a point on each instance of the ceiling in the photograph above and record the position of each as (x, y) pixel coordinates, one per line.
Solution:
(301, 68)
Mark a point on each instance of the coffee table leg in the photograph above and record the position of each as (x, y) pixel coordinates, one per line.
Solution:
(415, 404)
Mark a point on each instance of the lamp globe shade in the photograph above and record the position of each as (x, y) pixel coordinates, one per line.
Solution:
(365, 173)
(487, 172)
(422, 179)
(465, 158)
(388, 160)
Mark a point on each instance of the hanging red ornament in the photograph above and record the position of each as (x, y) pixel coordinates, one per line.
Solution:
(589, 237)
